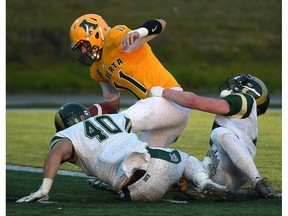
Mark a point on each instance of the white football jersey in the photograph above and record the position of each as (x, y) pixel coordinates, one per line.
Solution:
(101, 143)
(245, 123)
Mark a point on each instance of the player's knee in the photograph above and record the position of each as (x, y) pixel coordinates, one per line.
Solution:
(220, 136)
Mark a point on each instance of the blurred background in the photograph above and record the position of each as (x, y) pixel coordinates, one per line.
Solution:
(204, 42)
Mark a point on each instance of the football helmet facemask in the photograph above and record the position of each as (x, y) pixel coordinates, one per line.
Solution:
(87, 35)
(251, 85)
(70, 114)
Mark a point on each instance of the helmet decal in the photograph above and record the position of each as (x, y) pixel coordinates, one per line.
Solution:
(86, 26)
(70, 114)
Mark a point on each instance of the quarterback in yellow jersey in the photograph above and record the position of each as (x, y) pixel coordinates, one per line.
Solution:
(121, 60)
(136, 72)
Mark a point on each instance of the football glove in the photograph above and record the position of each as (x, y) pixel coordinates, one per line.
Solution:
(156, 91)
(38, 195)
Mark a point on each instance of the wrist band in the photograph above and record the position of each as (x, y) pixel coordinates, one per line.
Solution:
(46, 185)
(153, 27)
(142, 31)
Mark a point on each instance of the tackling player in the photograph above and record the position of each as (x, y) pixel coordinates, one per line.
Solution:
(121, 60)
(104, 147)
(235, 128)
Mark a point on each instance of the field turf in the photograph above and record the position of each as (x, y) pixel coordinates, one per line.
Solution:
(72, 196)
(29, 132)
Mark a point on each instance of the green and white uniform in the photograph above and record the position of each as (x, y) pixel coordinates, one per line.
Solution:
(235, 136)
(105, 149)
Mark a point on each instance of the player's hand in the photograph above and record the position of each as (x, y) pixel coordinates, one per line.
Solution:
(38, 195)
(156, 91)
(128, 40)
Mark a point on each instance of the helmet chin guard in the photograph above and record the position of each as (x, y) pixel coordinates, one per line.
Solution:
(90, 55)
(88, 31)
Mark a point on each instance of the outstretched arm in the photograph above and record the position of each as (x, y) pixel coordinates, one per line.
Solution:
(149, 30)
(61, 152)
(193, 101)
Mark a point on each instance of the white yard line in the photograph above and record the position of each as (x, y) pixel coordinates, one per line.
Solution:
(40, 170)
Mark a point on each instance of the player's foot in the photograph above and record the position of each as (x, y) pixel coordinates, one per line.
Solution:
(264, 189)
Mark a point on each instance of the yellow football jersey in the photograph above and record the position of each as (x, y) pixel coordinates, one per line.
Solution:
(135, 72)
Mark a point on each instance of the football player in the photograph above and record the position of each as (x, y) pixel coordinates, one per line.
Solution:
(104, 147)
(121, 60)
(235, 130)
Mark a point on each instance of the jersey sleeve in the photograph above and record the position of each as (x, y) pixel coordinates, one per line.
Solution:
(116, 34)
(54, 141)
(240, 105)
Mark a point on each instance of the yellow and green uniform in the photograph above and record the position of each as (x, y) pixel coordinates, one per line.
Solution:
(135, 72)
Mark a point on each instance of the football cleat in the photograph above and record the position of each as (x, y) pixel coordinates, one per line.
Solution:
(264, 189)
(100, 185)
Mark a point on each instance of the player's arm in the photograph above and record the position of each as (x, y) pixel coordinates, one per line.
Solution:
(60, 152)
(193, 101)
(149, 30)
(111, 95)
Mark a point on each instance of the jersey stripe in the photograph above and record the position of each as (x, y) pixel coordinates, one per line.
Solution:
(240, 105)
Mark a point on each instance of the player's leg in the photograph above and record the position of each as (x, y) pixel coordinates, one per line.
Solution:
(160, 121)
(241, 153)
(227, 173)
(198, 184)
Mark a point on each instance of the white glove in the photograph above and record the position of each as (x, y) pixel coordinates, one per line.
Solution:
(37, 195)
(156, 91)
(40, 195)
(225, 93)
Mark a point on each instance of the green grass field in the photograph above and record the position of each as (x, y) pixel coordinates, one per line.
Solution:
(28, 134)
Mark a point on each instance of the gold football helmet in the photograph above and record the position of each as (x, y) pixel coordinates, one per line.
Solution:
(87, 35)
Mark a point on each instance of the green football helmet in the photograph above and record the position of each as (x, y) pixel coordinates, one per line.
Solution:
(70, 114)
(251, 85)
